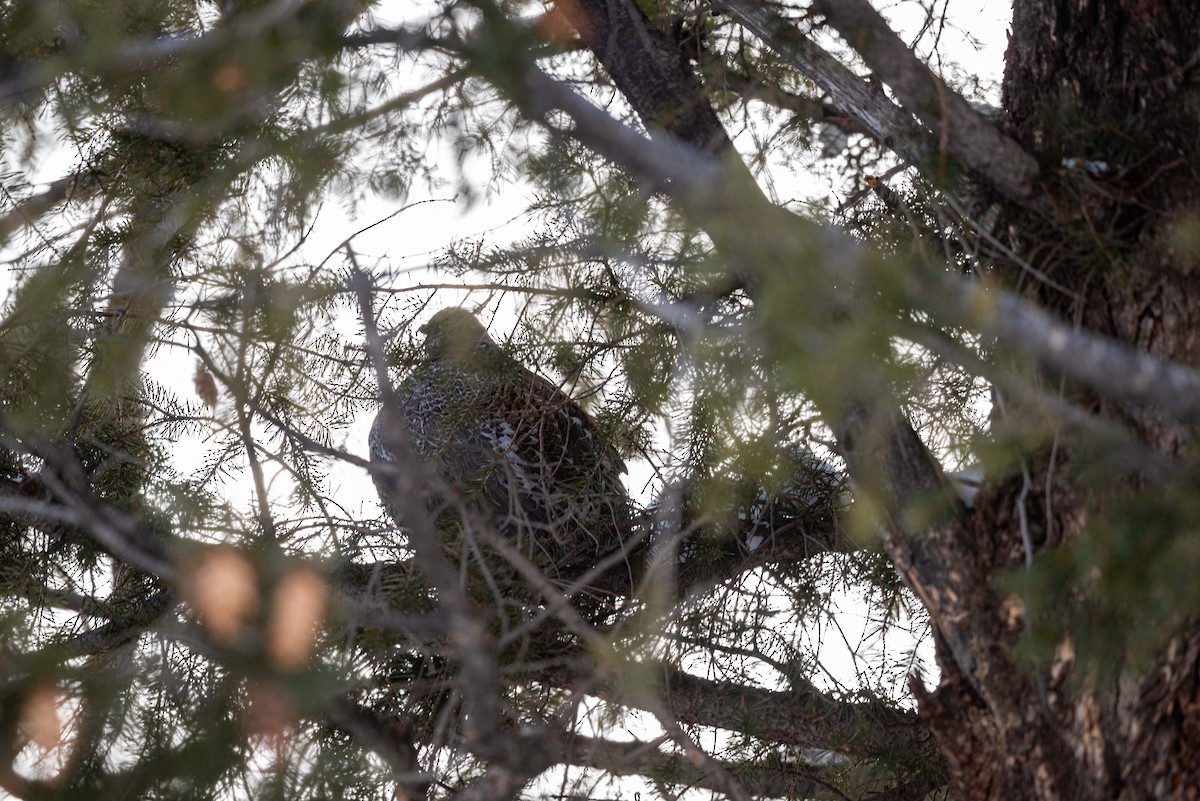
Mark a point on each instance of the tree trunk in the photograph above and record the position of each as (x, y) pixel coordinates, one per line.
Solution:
(1103, 92)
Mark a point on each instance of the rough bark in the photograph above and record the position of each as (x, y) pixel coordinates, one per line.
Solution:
(1103, 94)
(648, 66)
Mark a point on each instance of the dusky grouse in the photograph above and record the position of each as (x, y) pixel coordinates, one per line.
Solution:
(510, 445)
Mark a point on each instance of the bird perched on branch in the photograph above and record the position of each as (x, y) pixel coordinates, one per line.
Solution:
(509, 444)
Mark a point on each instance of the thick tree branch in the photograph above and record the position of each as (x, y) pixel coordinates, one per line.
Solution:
(772, 775)
(961, 131)
(769, 777)
(804, 718)
(1110, 366)
(866, 102)
(647, 66)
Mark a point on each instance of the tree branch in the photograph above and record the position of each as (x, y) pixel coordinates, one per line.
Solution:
(29, 210)
(806, 718)
(647, 66)
(961, 131)
(123, 627)
(769, 777)
(77, 504)
(391, 739)
(1108, 365)
(867, 103)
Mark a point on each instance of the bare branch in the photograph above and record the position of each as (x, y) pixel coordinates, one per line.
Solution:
(960, 130)
(867, 103)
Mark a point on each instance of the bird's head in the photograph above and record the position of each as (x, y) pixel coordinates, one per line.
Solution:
(454, 335)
